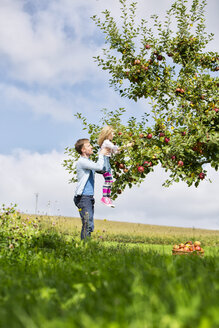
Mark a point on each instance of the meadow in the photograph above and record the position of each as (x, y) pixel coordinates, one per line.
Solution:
(125, 276)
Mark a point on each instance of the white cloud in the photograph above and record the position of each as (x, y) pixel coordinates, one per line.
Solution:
(23, 174)
(56, 44)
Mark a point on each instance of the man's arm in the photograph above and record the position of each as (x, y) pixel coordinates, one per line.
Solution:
(87, 164)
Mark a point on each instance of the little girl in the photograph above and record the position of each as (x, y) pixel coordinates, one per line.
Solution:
(104, 141)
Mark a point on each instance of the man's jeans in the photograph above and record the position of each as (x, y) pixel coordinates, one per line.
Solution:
(85, 205)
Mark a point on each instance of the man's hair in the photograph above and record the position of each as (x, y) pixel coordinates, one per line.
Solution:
(79, 144)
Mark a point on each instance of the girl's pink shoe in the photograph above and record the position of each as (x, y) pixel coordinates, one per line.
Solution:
(111, 204)
(107, 201)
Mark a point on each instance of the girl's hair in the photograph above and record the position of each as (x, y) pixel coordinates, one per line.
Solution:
(104, 134)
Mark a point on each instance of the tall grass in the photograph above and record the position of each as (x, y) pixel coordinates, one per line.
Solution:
(50, 279)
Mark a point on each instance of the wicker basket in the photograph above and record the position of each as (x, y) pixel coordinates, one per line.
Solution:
(178, 252)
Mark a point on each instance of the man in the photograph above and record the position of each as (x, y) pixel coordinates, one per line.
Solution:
(84, 193)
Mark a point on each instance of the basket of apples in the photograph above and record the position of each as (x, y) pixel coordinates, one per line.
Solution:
(188, 248)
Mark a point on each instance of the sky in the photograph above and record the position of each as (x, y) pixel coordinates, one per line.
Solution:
(47, 74)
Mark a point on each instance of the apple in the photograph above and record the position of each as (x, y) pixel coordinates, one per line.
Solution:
(146, 163)
(181, 245)
(150, 164)
(197, 248)
(162, 134)
(186, 248)
(137, 62)
(140, 169)
(216, 109)
(197, 243)
(182, 91)
(201, 175)
(173, 157)
(125, 170)
(178, 89)
(147, 46)
(119, 133)
(159, 57)
(121, 166)
(166, 140)
(180, 163)
(119, 191)
(176, 247)
(183, 133)
(141, 135)
(149, 136)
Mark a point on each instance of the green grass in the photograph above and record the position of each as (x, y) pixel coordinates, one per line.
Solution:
(51, 280)
(101, 284)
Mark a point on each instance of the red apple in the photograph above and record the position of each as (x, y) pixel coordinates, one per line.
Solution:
(119, 133)
(141, 135)
(166, 140)
(216, 109)
(140, 169)
(147, 46)
(197, 243)
(162, 134)
(201, 175)
(159, 57)
(180, 163)
(197, 248)
(146, 163)
(173, 157)
(149, 136)
(183, 133)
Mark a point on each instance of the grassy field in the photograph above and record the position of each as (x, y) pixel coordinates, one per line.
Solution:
(49, 279)
(133, 232)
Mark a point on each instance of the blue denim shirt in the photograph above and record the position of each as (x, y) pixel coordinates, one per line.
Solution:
(84, 166)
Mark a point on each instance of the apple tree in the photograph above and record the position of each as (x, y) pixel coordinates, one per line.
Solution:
(171, 68)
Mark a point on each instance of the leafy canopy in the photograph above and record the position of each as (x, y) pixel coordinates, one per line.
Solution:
(172, 69)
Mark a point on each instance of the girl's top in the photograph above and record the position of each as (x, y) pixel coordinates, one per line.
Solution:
(108, 144)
